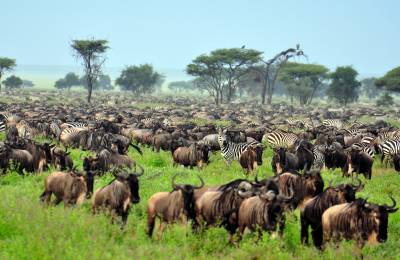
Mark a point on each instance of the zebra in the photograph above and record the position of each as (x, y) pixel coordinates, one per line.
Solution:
(280, 139)
(319, 156)
(3, 126)
(55, 130)
(150, 122)
(74, 125)
(389, 148)
(231, 151)
(366, 148)
(336, 123)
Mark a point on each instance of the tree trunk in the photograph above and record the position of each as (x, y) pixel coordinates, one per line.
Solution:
(89, 84)
(217, 98)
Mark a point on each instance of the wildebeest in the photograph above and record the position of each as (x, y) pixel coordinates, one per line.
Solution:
(248, 160)
(194, 155)
(304, 186)
(58, 157)
(172, 206)
(218, 206)
(106, 159)
(263, 212)
(359, 162)
(313, 209)
(119, 194)
(68, 187)
(359, 220)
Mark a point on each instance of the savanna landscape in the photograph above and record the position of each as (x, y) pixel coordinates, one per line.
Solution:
(235, 151)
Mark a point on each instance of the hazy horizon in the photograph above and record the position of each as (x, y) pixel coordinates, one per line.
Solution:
(169, 34)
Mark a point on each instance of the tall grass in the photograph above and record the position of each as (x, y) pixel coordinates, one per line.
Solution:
(29, 230)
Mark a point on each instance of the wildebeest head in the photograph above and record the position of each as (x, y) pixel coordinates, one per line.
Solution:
(313, 182)
(379, 214)
(132, 180)
(346, 192)
(279, 160)
(259, 151)
(91, 163)
(187, 194)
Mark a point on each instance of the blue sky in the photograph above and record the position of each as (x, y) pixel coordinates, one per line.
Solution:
(169, 34)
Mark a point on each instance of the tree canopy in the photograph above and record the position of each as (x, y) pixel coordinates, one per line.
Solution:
(92, 54)
(6, 64)
(27, 83)
(303, 80)
(369, 88)
(13, 82)
(390, 81)
(70, 80)
(140, 79)
(344, 87)
(221, 70)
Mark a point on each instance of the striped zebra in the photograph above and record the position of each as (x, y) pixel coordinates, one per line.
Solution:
(280, 139)
(368, 149)
(319, 156)
(3, 126)
(300, 123)
(231, 151)
(55, 130)
(389, 148)
(336, 123)
(74, 125)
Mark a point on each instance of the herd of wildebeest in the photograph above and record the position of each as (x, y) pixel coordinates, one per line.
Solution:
(304, 141)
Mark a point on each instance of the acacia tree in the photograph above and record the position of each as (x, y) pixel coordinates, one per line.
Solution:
(13, 82)
(140, 79)
(391, 80)
(269, 70)
(92, 54)
(221, 70)
(303, 80)
(6, 64)
(344, 87)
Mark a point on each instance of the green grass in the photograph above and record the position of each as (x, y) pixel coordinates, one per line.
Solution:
(29, 230)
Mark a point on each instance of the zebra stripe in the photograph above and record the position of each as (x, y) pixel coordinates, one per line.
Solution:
(74, 125)
(281, 139)
(319, 156)
(231, 151)
(337, 123)
(2, 126)
(370, 150)
(390, 147)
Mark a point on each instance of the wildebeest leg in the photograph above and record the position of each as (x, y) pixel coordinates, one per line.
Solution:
(304, 231)
(124, 216)
(56, 201)
(317, 236)
(161, 229)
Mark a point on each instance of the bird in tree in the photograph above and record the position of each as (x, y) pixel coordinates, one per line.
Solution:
(6, 64)
(92, 54)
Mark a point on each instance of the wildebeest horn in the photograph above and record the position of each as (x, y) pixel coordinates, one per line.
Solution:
(287, 198)
(141, 171)
(201, 185)
(392, 208)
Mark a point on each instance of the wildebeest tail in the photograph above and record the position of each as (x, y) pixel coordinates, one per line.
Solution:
(136, 147)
